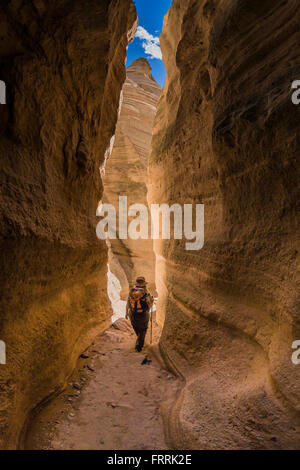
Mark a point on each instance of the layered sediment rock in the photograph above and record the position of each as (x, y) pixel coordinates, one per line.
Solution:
(226, 135)
(127, 166)
(63, 65)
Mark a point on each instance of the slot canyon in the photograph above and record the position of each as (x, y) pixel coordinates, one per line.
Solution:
(126, 168)
(78, 129)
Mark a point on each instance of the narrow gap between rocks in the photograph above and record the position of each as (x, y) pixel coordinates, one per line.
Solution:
(116, 397)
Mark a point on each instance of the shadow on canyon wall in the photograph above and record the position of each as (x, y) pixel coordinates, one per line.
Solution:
(227, 135)
(63, 64)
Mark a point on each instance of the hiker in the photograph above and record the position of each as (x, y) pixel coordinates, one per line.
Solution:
(138, 306)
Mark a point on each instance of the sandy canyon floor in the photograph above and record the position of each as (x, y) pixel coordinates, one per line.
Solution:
(112, 401)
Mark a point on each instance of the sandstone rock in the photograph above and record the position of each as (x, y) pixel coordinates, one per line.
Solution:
(122, 325)
(115, 338)
(227, 135)
(126, 169)
(63, 65)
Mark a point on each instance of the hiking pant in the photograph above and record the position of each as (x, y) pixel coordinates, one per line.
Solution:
(139, 323)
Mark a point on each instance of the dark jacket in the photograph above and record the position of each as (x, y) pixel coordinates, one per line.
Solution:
(146, 303)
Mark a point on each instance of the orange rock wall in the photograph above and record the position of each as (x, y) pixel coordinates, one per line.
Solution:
(227, 135)
(63, 64)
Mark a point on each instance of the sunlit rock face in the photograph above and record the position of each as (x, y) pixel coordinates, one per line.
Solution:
(63, 65)
(126, 167)
(227, 135)
(114, 291)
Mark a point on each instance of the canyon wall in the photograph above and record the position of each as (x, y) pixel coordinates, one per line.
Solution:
(126, 170)
(63, 65)
(227, 135)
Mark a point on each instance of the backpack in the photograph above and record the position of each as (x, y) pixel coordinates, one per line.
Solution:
(137, 300)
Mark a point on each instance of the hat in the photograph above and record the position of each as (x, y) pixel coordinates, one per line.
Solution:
(141, 281)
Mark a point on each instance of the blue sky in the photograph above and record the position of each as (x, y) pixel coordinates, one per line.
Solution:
(146, 43)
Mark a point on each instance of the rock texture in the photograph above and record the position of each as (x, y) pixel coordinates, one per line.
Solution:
(127, 166)
(227, 135)
(112, 401)
(63, 64)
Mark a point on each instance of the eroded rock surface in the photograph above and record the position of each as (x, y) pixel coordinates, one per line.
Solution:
(127, 166)
(227, 135)
(112, 401)
(63, 64)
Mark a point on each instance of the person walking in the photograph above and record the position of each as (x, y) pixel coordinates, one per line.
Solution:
(138, 306)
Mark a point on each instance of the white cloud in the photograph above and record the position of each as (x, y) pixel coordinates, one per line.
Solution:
(150, 43)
